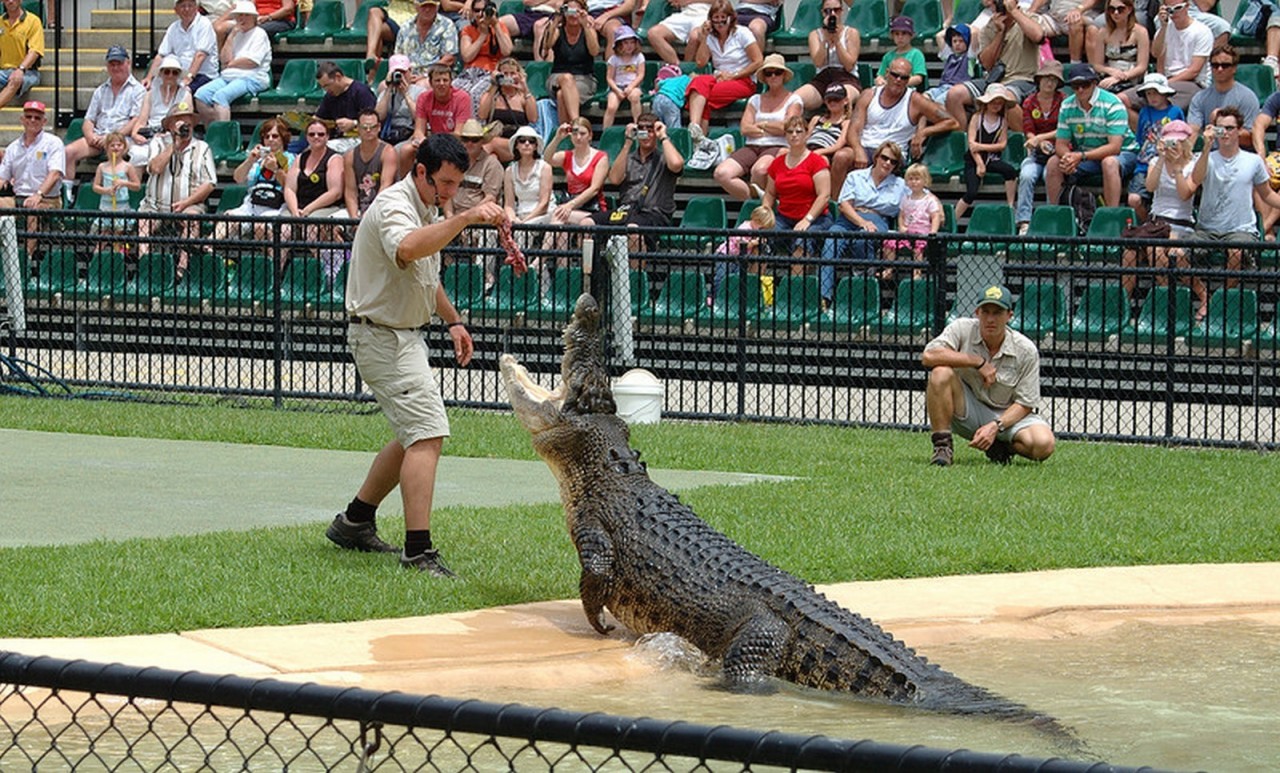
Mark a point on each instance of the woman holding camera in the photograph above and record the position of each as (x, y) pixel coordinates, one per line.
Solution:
(572, 46)
(263, 174)
(734, 54)
(482, 43)
(509, 102)
(585, 169)
(833, 49)
(165, 92)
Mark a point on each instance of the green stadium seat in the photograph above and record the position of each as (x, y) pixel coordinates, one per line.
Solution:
(106, 276)
(965, 11)
(1102, 311)
(235, 159)
(796, 303)
(700, 212)
(611, 140)
(566, 286)
(232, 196)
(206, 280)
(856, 304)
(1259, 78)
(75, 130)
(682, 296)
(303, 282)
(1154, 324)
(985, 219)
(737, 298)
(536, 74)
(154, 278)
(871, 19)
(253, 280)
(335, 299)
(654, 12)
(1049, 221)
(1107, 223)
(35, 8)
(328, 18)
(949, 219)
(639, 281)
(56, 274)
(1232, 318)
(464, 284)
(744, 212)
(353, 69)
(911, 310)
(806, 18)
(224, 140)
(944, 156)
(86, 200)
(297, 81)
(801, 73)
(927, 15)
(356, 33)
(1040, 310)
(513, 295)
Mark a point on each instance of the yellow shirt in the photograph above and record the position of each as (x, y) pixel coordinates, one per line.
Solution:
(17, 38)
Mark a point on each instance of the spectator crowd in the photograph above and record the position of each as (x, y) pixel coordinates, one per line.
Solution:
(1146, 113)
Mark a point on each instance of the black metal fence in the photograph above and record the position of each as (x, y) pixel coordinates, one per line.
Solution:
(826, 328)
(66, 715)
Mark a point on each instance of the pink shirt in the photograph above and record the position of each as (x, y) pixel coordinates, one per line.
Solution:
(444, 117)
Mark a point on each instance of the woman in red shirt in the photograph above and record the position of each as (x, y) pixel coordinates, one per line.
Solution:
(585, 169)
(799, 187)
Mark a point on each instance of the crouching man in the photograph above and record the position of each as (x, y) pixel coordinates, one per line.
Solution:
(984, 383)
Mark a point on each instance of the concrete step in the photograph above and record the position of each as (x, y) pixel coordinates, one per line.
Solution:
(94, 43)
(124, 19)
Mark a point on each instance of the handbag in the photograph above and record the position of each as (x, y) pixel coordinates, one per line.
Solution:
(1152, 229)
(269, 196)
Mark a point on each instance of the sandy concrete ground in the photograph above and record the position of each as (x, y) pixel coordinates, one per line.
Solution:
(550, 644)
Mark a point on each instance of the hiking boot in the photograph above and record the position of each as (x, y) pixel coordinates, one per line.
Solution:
(942, 449)
(1000, 452)
(357, 536)
(427, 561)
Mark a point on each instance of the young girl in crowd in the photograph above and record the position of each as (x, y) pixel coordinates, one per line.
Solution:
(751, 243)
(988, 136)
(829, 134)
(113, 180)
(624, 76)
(920, 213)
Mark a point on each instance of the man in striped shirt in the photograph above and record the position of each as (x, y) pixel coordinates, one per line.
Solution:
(1093, 138)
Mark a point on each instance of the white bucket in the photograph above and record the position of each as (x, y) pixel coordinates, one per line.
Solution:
(638, 394)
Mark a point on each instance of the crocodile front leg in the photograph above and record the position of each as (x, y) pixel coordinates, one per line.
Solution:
(595, 553)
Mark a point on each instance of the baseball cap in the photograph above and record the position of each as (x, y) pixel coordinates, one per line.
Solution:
(902, 24)
(1176, 130)
(399, 62)
(117, 54)
(835, 91)
(34, 106)
(1082, 72)
(996, 295)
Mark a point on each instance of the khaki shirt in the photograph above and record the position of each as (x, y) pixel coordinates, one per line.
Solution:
(1017, 364)
(378, 289)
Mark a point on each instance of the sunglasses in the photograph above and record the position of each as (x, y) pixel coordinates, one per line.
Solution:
(1222, 65)
(1117, 8)
(899, 76)
(771, 73)
(373, 128)
(472, 140)
(830, 11)
(526, 141)
(271, 135)
(886, 157)
(1178, 7)
(1228, 129)
(720, 20)
(317, 134)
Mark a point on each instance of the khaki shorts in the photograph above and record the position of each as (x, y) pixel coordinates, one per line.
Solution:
(394, 365)
(978, 413)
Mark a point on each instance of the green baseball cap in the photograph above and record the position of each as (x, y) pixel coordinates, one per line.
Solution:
(997, 295)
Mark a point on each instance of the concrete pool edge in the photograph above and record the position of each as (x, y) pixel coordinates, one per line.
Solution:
(550, 643)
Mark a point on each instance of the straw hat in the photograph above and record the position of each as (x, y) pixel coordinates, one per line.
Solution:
(774, 62)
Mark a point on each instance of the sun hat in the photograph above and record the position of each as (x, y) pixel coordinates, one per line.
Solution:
(179, 110)
(996, 91)
(624, 33)
(527, 131)
(774, 62)
(997, 295)
(170, 62)
(959, 29)
(1154, 81)
(244, 8)
(902, 24)
(1051, 69)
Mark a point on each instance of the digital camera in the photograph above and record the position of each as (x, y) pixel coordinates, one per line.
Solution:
(642, 134)
(1219, 132)
(999, 6)
(397, 77)
(182, 129)
(503, 80)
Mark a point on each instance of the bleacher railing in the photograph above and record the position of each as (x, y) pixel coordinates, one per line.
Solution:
(72, 715)
(815, 328)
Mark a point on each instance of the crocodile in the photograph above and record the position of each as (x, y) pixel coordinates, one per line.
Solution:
(658, 568)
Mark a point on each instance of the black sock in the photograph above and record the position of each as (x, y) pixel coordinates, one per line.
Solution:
(361, 512)
(417, 541)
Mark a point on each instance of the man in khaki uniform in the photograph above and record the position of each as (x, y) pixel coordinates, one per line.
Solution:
(393, 289)
(984, 383)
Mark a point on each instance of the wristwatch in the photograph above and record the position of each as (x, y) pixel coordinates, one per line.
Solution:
(999, 426)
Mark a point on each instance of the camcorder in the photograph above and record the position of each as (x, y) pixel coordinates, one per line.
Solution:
(182, 129)
(397, 77)
(831, 21)
(999, 6)
(146, 132)
(490, 10)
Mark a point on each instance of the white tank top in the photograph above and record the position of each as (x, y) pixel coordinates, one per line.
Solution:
(888, 123)
(528, 190)
(768, 140)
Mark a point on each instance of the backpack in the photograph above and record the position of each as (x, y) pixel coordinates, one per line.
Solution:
(1083, 202)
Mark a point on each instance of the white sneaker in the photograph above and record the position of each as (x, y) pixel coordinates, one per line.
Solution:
(1022, 228)
(695, 133)
(1273, 63)
(756, 191)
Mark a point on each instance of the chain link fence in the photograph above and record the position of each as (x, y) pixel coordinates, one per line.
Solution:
(1141, 341)
(68, 715)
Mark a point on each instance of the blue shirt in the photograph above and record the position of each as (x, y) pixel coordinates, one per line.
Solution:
(1150, 124)
(861, 191)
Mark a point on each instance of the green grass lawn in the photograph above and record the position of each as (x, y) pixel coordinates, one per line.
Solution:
(865, 505)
